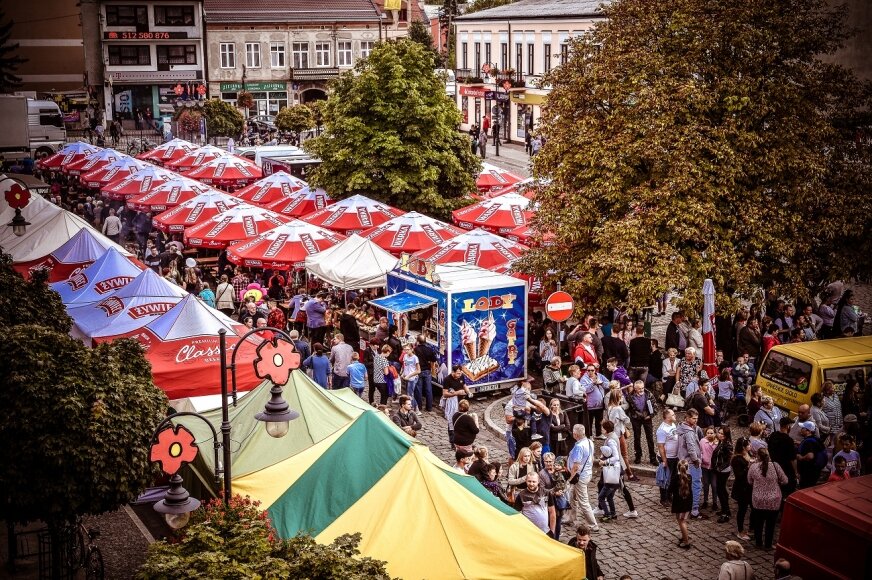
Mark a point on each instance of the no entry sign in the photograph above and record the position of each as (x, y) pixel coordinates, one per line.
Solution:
(559, 306)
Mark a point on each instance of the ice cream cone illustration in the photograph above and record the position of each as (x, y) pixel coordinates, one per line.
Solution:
(486, 335)
(467, 339)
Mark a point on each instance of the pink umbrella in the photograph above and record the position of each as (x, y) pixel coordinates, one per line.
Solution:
(168, 194)
(410, 233)
(353, 215)
(240, 223)
(301, 203)
(271, 188)
(195, 211)
(123, 167)
(499, 215)
(138, 183)
(479, 248)
(68, 154)
(708, 328)
(167, 152)
(283, 247)
(195, 158)
(93, 161)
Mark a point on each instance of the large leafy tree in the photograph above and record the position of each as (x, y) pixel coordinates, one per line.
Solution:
(77, 421)
(296, 119)
(699, 138)
(390, 134)
(222, 119)
(10, 60)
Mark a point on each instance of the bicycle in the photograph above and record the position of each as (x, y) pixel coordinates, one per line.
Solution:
(84, 553)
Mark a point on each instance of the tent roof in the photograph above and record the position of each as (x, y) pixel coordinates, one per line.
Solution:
(106, 274)
(363, 479)
(190, 318)
(352, 263)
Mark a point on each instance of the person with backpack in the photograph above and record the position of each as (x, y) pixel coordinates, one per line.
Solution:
(812, 456)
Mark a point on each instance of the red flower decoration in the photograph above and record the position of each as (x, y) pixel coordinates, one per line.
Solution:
(17, 197)
(174, 447)
(275, 360)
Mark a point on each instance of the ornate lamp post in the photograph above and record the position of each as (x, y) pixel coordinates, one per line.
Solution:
(174, 446)
(17, 196)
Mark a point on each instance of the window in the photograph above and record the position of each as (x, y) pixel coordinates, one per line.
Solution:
(126, 15)
(129, 55)
(228, 55)
(477, 56)
(464, 63)
(322, 54)
(504, 56)
(343, 53)
(252, 54)
(840, 376)
(786, 371)
(277, 55)
(564, 53)
(546, 65)
(300, 54)
(519, 57)
(531, 59)
(487, 53)
(185, 54)
(366, 47)
(173, 15)
(50, 117)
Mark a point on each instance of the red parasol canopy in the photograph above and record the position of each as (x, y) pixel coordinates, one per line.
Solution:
(195, 158)
(478, 247)
(410, 233)
(301, 203)
(283, 247)
(525, 235)
(138, 183)
(271, 188)
(499, 215)
(168, 194)
(93, 161)
(123, 167)
(195, 211)
(240, 223)
(353, 215)
(493, 177)
(167, 152)
(226, 171)
(68, 154)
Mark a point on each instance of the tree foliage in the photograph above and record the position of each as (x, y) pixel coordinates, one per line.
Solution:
(10, 60)
(295, 119)
(77, 421)
(238, 541)
(699, 138)
(222, 119)
(418, 32)
(390, 134)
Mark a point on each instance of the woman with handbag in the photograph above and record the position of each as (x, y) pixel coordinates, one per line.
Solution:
(613, 441)
(621, 421)
(561, 429)
(611, 480)
(552, 478)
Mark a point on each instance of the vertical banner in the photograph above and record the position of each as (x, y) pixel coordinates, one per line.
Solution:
(124, 102)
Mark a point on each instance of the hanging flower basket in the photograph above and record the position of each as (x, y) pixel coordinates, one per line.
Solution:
(244, 100)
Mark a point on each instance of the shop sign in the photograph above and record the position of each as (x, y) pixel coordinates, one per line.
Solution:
(478, 92)
(496, 96)
(235, 87)
(527, 98)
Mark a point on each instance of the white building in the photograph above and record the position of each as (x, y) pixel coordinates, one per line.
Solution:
(503, 52)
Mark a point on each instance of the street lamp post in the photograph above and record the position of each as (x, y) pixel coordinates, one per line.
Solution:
(173, 447)
(17, 196)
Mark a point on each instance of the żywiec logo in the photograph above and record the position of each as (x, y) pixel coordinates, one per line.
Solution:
(110, 284)
(274, 247)
(150, 309)
(194, 351)
(112, 306)
(309, 244)
(218, 227)
(364, 217)
(107, 177)
(77, 281)
(401, 236)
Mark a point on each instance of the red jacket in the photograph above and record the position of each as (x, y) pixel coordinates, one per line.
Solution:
(768, 342)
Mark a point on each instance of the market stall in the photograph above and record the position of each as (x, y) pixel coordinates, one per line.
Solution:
(353, 263)
(106, 274)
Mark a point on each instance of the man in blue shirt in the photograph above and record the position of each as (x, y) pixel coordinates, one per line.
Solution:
(580, 464)
(357, 374)
(596, 387)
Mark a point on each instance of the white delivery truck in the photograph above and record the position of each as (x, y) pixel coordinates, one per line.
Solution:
(30, 128)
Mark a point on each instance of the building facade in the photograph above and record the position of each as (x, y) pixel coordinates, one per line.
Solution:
(285, 51)
(503, 52)
(153, 57)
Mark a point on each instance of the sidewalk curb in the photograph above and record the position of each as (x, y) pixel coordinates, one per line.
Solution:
(497, 430)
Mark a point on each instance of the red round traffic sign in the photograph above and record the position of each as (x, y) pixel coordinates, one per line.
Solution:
(559, 306)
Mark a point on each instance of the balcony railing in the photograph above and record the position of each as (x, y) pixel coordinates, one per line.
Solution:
(468, 76)
(314, 74)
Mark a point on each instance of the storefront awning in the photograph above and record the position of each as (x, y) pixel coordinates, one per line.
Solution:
(403, 302)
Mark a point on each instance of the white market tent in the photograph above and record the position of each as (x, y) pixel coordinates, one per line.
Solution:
(353, 263)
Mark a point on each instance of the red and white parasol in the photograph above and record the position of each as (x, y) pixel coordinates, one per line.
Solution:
(123, 167)
(93, 161)
(283, 247)
(195, 158)
(410, 233)
(499, 215)
(168, 194)
(353, 215)
(226, 171)
(271, 188)
(708, 329)
(493, 177)
(526, 235)
(195, 211)
(68, 154)
(479, 248)
(304, 202)
(240, 223)
(167, 152)
(138, 183)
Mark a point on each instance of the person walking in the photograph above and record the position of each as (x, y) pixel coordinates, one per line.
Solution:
(580, 466)
(741, 492)
(682, 501)
(641, 411)
(766, 478)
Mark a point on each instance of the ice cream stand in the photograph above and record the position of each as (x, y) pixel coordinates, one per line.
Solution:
(472, 317)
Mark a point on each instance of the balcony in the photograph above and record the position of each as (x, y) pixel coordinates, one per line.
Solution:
(499, 78)
(314, 74)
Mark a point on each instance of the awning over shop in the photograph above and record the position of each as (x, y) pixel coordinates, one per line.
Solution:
(404, 301)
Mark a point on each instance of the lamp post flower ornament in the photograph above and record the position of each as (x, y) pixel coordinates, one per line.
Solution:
(17, 196)
(174, 445)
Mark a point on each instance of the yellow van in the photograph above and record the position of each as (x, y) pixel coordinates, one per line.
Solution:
(792, 373)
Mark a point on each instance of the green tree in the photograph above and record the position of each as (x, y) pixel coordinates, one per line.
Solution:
(222, 119)
(419, 33)
(238, 541)
(10, 60)
(699, 138)
(390, 134)
(295, 119)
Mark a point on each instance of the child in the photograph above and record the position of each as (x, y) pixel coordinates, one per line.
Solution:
(357, 374)
(742, 372)
(849, 454)
(607, 493)
(840, 469)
